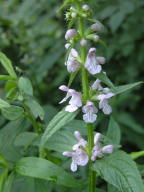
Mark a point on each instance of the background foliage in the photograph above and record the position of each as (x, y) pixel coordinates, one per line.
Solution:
(32, 36)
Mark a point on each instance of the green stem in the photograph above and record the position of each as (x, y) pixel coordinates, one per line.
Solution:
(85, 87)
(32, 119)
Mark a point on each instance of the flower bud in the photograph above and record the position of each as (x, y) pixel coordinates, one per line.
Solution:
(83, 42)
(108, 149)
(96, 27)
(96, 38)
(73, 14)
(85, 7)
(67, 45)
(70, 33)
(101, 60)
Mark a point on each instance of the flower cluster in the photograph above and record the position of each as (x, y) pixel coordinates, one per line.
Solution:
(80, 156)
(99, 96)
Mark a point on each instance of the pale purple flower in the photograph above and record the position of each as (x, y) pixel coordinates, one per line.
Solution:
(91, 64)
(70, 33)
(96, 27)
(89, 111)
(95, 38)
(83, 42)
(101, 60)
(85, 7)
(79, 158)
(75, 101)
(67, 45)
(81, 141)
(103, 104)
(98, 151)
(97, 85)
(72, 63)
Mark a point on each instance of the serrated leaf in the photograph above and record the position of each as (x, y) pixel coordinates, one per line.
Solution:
(120, 170)
(123, 88)
(60, 120)
(7, 65)
(43, 169)
(113, 132)
(25, 85)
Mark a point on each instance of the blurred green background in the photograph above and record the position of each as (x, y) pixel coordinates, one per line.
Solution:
(32, 36)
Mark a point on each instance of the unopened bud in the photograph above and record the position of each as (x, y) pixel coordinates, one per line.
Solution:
(83, 42)
(108, 149)
(101, 60)
(95, 38)
(70, 33)
(73, 14)
(85, 7)
(96, 27)
(67, 45)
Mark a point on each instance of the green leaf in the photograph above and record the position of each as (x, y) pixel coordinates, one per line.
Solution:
(120, 170)
(3, 104)
(25, 85)
(6, 77)
(116, 20)
(8, 183)
(3, 162)
(127, 120)
(104, 78)
(44, 169)
(136, 155)
(7, 136)
(60, 120)
(3, 177)
(12, 112)
(123, 88)
(35, 108)
(111, 188)
(7, 65)
(113, 132)
(61, 141)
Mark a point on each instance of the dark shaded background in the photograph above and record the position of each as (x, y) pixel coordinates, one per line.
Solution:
(32, 36)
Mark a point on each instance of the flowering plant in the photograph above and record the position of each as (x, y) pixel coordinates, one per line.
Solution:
(37, 150)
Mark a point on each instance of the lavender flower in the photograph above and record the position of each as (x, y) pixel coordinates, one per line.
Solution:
(79, 157)
(103, 104)
(75, 101)
(72, 63)
(97, 85)
(81, 142)
(70, 34)
(98, 151)
(89, 111)
(91, 64)
(96, 27)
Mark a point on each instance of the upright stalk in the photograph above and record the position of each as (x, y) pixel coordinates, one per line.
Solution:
(92, 175)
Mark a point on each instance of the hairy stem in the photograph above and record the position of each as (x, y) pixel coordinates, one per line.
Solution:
(85, 87)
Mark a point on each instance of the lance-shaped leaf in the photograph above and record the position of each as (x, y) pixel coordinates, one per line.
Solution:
(7, 65)
(44, 169)
(60, 120)
(113, 132)
(123, 88)
(120, 171)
